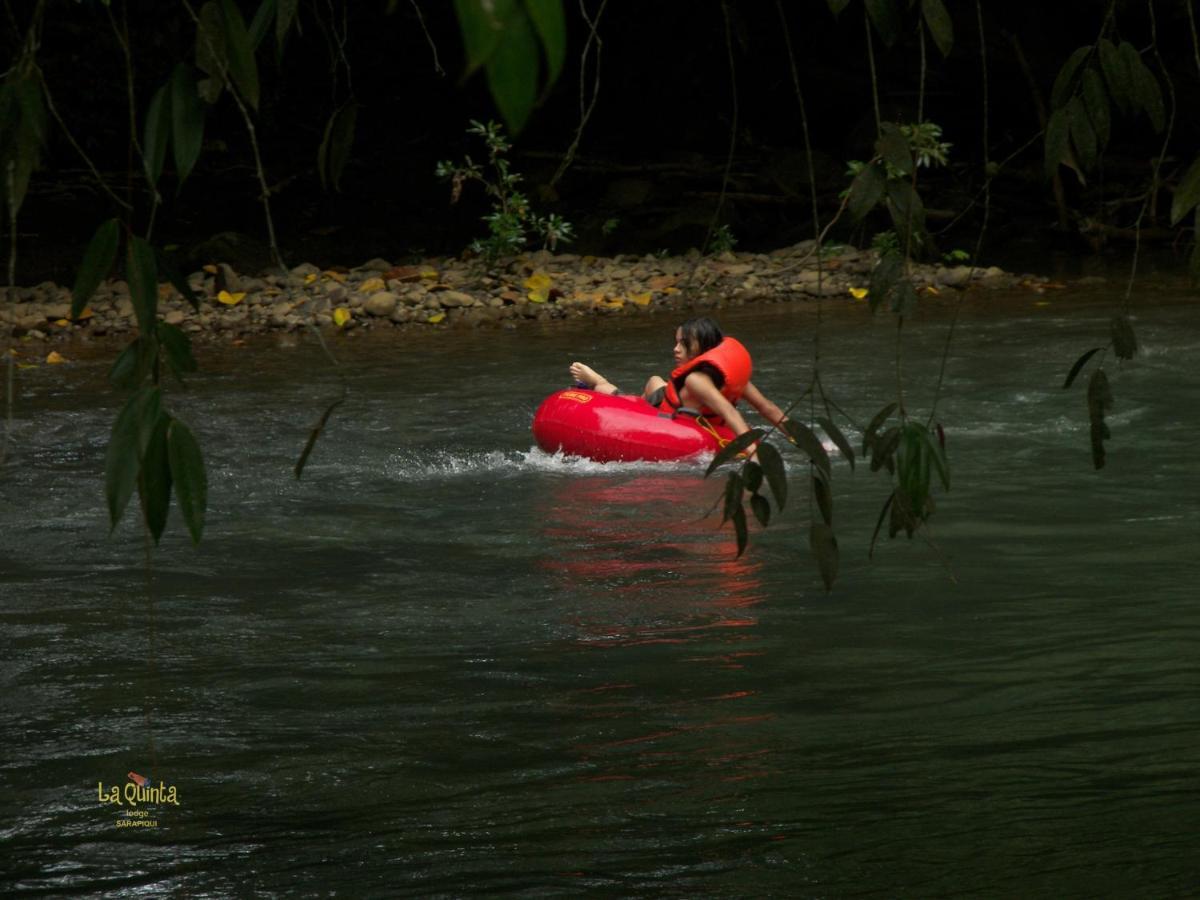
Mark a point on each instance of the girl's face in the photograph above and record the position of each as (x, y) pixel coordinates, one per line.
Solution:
(684, 351)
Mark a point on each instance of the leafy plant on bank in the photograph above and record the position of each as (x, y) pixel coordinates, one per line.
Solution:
(512, 223)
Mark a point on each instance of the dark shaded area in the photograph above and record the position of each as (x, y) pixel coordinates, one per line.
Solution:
(648, 176)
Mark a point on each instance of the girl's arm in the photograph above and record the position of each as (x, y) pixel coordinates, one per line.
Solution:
(705, 393)
(765, 407)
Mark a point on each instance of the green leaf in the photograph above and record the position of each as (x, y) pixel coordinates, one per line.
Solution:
(298, 469)
(187, 122)
(212, 56)
(130, 435)
(1194, 257)
(141, 272)
(154, 479)
(839, 439)
(824, 495)
(1124, 340)
(886, 20)
(1100, 400)
(908, 215)
(1058, 134)
(1064, 84)
(551, 27)
(884, 276)
(940, 25)
(836, 6)
(883, 448)
(1096, 101)
(97, 263)
(261, 22)
(873, 426)
(804, 438)
(887, 505)
(739, 529)
(482, 24)
(1187, 195)
(1079, 364)
(823, 543)
(893, 147)
(752, 476)
(191, 481)
(334, 152)
(761, 508)
(283, 21)
(733, 496)
(242, 67)
(733, 448)
(167, 267)
(1082, 134)
(1116, 75)
(157, 134)
(1146, 91)
(937, 455)
(133, 364)
(178, 350)
(512, 72)
(866, 190)
(773, 470)
(904, 299)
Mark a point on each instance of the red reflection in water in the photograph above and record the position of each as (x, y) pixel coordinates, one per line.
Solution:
(646, 566)
(655, 568)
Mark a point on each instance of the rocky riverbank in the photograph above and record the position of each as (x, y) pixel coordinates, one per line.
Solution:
(443, 293)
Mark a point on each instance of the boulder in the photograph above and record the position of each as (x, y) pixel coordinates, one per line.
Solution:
(381, 303)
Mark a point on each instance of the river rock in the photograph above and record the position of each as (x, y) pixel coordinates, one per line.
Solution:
(455, 298)
(381, 303)
(174, 317)
(377, 264)
(952, 276)
(303, 270)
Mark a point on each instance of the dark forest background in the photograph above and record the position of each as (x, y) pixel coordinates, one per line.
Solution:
(651, 160)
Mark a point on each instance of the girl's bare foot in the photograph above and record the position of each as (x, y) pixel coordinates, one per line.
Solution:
(585, 374)
(588, 376)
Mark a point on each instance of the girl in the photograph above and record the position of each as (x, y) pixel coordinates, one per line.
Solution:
(712, 372)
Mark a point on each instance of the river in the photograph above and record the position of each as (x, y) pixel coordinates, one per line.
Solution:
(445, 663)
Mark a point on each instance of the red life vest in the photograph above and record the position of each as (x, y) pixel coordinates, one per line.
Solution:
(729, 357)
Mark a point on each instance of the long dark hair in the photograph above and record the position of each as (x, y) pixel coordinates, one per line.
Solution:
(703, 331)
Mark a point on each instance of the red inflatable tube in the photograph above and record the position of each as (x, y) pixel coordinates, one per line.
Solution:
(581, 422)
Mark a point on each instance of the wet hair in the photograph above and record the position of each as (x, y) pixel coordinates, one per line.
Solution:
(703, 331)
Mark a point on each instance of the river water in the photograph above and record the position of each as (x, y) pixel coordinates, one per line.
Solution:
(446, 663)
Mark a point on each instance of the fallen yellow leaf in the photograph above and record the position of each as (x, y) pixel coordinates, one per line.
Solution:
(231, 299)
(641, 299)
(539, 284)
(341, 316)
(671, 290)
(336, 276)
(858, 293)
(615, 302)
(429, 274)
(932, 290)
(86, 314)
(371, 285)
(435, 318)
(210, 269)
(1042, 303)
(310, 277)
(55, 358)
(27, 365)
(62, 323)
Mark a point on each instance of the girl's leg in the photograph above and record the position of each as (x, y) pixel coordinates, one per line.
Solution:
(653, 389)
